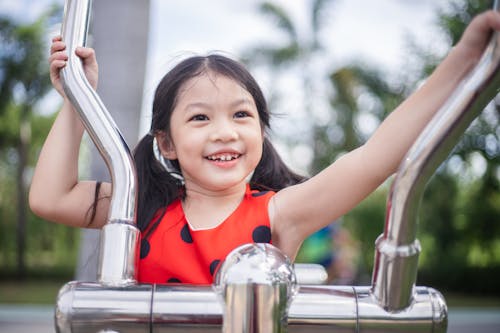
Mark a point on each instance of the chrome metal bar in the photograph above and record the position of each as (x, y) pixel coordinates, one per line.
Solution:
(86, 307)
(310, 273)
(92, 307)
(397, 249)
(117, 264)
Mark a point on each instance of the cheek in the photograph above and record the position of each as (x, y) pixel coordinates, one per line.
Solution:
(258, 146)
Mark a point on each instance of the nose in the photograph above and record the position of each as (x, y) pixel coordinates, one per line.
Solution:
(224, 130)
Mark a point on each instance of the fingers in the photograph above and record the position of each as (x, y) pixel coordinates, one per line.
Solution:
(58, 47)
(478, 32)
(58, 55)
(486, 21)
(86, 54)
(493, 19)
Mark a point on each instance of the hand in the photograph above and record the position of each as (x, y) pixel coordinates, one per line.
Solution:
(58, 59)
(478, 33)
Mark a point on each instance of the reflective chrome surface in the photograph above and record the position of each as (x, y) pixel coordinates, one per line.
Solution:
(90, 307)
(424, 314)
(115, 268)
(323, 309)
(106, 136)
(310, 274)
(397, 250)
(256, 282)
(186, 308)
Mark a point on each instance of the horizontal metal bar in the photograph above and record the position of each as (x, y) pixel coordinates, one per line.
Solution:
(90, 307)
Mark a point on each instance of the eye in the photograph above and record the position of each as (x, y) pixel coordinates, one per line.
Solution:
(198, 117)
(241, 114)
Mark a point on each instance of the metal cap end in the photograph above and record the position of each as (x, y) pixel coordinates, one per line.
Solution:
(440, 311)
(64, 307)
(257, 263)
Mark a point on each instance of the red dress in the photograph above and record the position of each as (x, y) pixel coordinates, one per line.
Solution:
(176, 253)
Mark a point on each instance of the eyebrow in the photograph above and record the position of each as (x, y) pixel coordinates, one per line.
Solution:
(235, 103)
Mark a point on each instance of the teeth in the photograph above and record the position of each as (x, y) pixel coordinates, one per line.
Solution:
(223, 157)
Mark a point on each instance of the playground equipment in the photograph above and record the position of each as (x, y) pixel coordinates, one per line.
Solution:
(256, 288)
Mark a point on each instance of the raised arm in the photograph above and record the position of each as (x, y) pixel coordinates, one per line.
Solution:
(298, 211)
(56, 194)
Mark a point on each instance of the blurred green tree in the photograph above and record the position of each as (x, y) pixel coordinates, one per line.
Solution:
(461, 204)
(24, 80)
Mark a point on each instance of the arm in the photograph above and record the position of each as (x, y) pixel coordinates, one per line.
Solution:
(298, 211)
(55, 192)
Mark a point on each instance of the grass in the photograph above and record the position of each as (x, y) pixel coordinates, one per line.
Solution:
(471, 301)
(29, 291)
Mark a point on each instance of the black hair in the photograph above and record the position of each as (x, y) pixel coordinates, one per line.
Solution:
(157, 187)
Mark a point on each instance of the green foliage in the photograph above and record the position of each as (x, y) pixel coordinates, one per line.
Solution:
(460, 207)
(28, 245)
(33, 291)
(458, 13)
(366, 223)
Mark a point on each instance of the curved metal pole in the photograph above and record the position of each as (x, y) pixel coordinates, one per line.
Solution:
(120, 237)
(397, 249)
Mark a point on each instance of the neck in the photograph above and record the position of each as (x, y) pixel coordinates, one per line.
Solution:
(207, 209)
(196, 193)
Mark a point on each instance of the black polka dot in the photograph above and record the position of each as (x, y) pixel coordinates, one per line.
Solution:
(186, 235)
(173, 280)
(145, 247)
(258, 194)
(261, 234)
(213, 266)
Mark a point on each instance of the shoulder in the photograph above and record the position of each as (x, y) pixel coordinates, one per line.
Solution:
(259, 195)
(257, 198)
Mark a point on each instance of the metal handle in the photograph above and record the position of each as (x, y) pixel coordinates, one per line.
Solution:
(397, 250)
(120, 237)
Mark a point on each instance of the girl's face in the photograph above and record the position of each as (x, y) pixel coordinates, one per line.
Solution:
(215, 133)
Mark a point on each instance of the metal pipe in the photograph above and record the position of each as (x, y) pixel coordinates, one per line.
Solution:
(255, 292)
(397, 249)
(92, 307)
(307, 273)
(86, 307)
(256, 282)
(119, 237)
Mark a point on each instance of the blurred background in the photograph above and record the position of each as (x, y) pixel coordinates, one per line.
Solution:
(331, 70)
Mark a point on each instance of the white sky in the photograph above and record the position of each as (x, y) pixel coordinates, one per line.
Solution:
(354, 29)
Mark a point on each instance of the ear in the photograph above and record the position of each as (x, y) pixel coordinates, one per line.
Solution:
(166, 146)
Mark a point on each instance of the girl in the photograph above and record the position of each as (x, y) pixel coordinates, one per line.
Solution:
(225, 185)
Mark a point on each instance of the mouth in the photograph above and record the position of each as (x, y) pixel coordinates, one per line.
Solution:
(223, 157)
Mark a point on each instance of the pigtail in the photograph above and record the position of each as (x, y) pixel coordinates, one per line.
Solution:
(157, 188)
(272, 173)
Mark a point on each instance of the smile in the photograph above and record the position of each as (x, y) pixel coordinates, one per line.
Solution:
(223, 157)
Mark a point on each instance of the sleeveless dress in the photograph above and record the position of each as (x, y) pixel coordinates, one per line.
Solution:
(174, 252)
